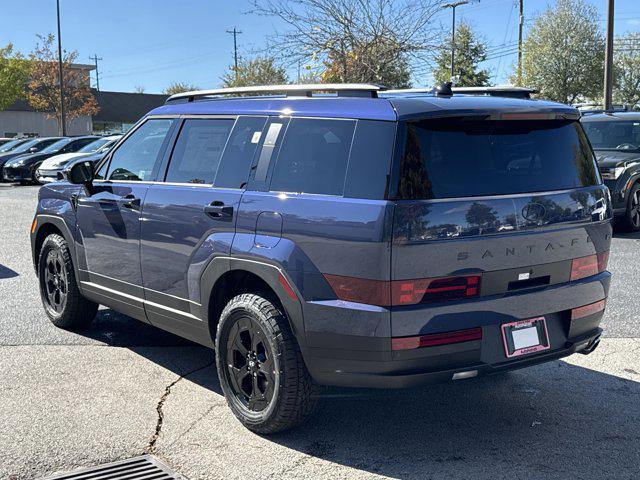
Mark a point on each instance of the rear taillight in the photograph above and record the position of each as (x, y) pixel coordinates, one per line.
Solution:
(587, 310)
(432, 340)
(588, 266)
(404, 292)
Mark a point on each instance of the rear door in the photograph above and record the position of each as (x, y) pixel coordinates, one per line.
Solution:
(108, 217)
(190, 216)
(490, 208)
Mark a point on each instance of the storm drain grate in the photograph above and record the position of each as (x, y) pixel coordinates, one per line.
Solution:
(145, 467)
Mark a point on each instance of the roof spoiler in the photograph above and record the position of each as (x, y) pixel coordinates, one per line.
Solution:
(369, 90)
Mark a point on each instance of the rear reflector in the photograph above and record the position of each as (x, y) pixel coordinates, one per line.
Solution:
(287, 288)
(403, 292)
(435, 339)
(587, 310)
(587, 266)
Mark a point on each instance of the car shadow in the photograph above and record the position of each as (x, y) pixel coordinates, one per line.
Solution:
(618, 233)
(6, 272)
(556, 420)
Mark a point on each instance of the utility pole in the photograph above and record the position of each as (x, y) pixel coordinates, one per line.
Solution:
(63, 116)
(453, 6)
(520, 27)
(608, 58)
(95, 59)
(235, 34)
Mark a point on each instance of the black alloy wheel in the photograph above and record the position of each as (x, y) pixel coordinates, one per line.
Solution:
(55, 282)
(250, 367)
(633, 209)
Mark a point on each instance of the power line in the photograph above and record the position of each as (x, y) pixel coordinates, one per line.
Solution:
(95, 59)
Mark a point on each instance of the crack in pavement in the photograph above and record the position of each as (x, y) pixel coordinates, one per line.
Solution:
(151, 446)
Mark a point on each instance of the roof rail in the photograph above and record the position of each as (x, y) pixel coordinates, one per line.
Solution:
(497, 91)
(294, 90)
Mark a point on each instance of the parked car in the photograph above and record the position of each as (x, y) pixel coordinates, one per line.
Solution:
(29, 146)
(4, 140)
(51, 168)
(23, 168)
(12, 144)
(615, 137)
(353, 240)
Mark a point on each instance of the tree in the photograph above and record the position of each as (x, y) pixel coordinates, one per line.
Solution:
(14, 74)
(356, 40)
(139, 89)
(627, 70)
(179, 87)
(259, 71)
(564, 53)
(482, 216)
(44, 87)
(469, 52)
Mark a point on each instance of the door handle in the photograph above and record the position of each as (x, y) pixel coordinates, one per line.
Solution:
(219, 210)
(130, 201)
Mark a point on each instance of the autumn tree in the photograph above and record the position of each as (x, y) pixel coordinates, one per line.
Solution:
(626, 60)
(179, 87)
(257, 71)
(356, 40)
(14, 74)
(470, 51)
(564, 53)
(44, 87)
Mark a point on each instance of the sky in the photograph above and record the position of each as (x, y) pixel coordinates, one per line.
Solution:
(150, 44)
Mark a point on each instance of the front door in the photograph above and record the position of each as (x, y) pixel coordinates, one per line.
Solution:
(190, 217)
(109, 215)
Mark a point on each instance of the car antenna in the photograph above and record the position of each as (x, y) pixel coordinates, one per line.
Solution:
(444, 90)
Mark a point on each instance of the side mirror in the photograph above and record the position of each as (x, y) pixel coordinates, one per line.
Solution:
(80, 173)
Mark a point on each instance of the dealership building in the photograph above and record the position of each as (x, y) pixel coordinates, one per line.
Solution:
(118, 112)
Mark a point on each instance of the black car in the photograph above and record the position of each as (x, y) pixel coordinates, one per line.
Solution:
(24, 146)
(615, 137)
(22, 168)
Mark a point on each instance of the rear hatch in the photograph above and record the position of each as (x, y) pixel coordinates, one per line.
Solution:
(492, 208)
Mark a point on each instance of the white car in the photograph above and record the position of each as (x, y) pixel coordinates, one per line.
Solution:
(49, 169)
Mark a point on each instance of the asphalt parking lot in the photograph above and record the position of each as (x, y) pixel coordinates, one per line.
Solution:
(123, 388)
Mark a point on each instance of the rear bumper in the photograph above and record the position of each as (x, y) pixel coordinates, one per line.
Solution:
(358, 361)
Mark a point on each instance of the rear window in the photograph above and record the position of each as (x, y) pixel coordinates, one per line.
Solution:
(468, 158)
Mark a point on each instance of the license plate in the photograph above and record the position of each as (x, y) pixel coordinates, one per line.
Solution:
(525, 336)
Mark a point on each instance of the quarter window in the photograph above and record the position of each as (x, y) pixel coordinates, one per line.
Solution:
(198, 150)
(135, 159)
(314, 156)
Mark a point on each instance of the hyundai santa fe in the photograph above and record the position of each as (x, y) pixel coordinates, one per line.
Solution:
(337, 235)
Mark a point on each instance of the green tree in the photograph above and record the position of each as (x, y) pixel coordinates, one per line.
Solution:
(482, 216)
(258, 71)
(627, 69)
(470, 51)
(564, 53)
(14, 75)
(179, 87)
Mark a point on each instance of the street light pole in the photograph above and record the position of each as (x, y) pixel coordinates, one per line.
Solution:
(63, 117)
(608, 59)
(453, 6)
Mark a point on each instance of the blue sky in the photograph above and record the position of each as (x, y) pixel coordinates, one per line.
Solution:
(153, 43)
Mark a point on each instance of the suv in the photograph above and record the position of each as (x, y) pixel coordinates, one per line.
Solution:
(353, 239)
(615, 136)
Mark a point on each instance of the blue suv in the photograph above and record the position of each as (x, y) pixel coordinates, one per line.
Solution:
(338, 235)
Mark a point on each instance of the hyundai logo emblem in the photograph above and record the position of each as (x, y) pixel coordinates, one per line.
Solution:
(534, 212)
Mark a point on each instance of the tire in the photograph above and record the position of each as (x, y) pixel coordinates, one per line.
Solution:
(63, 303)
(632, 214)
(34, 175)
(275, 392)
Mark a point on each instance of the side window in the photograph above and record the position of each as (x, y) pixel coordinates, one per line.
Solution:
(236, 161)
(314, 156)
(370, 159)
(135, 158)
(198, 150)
